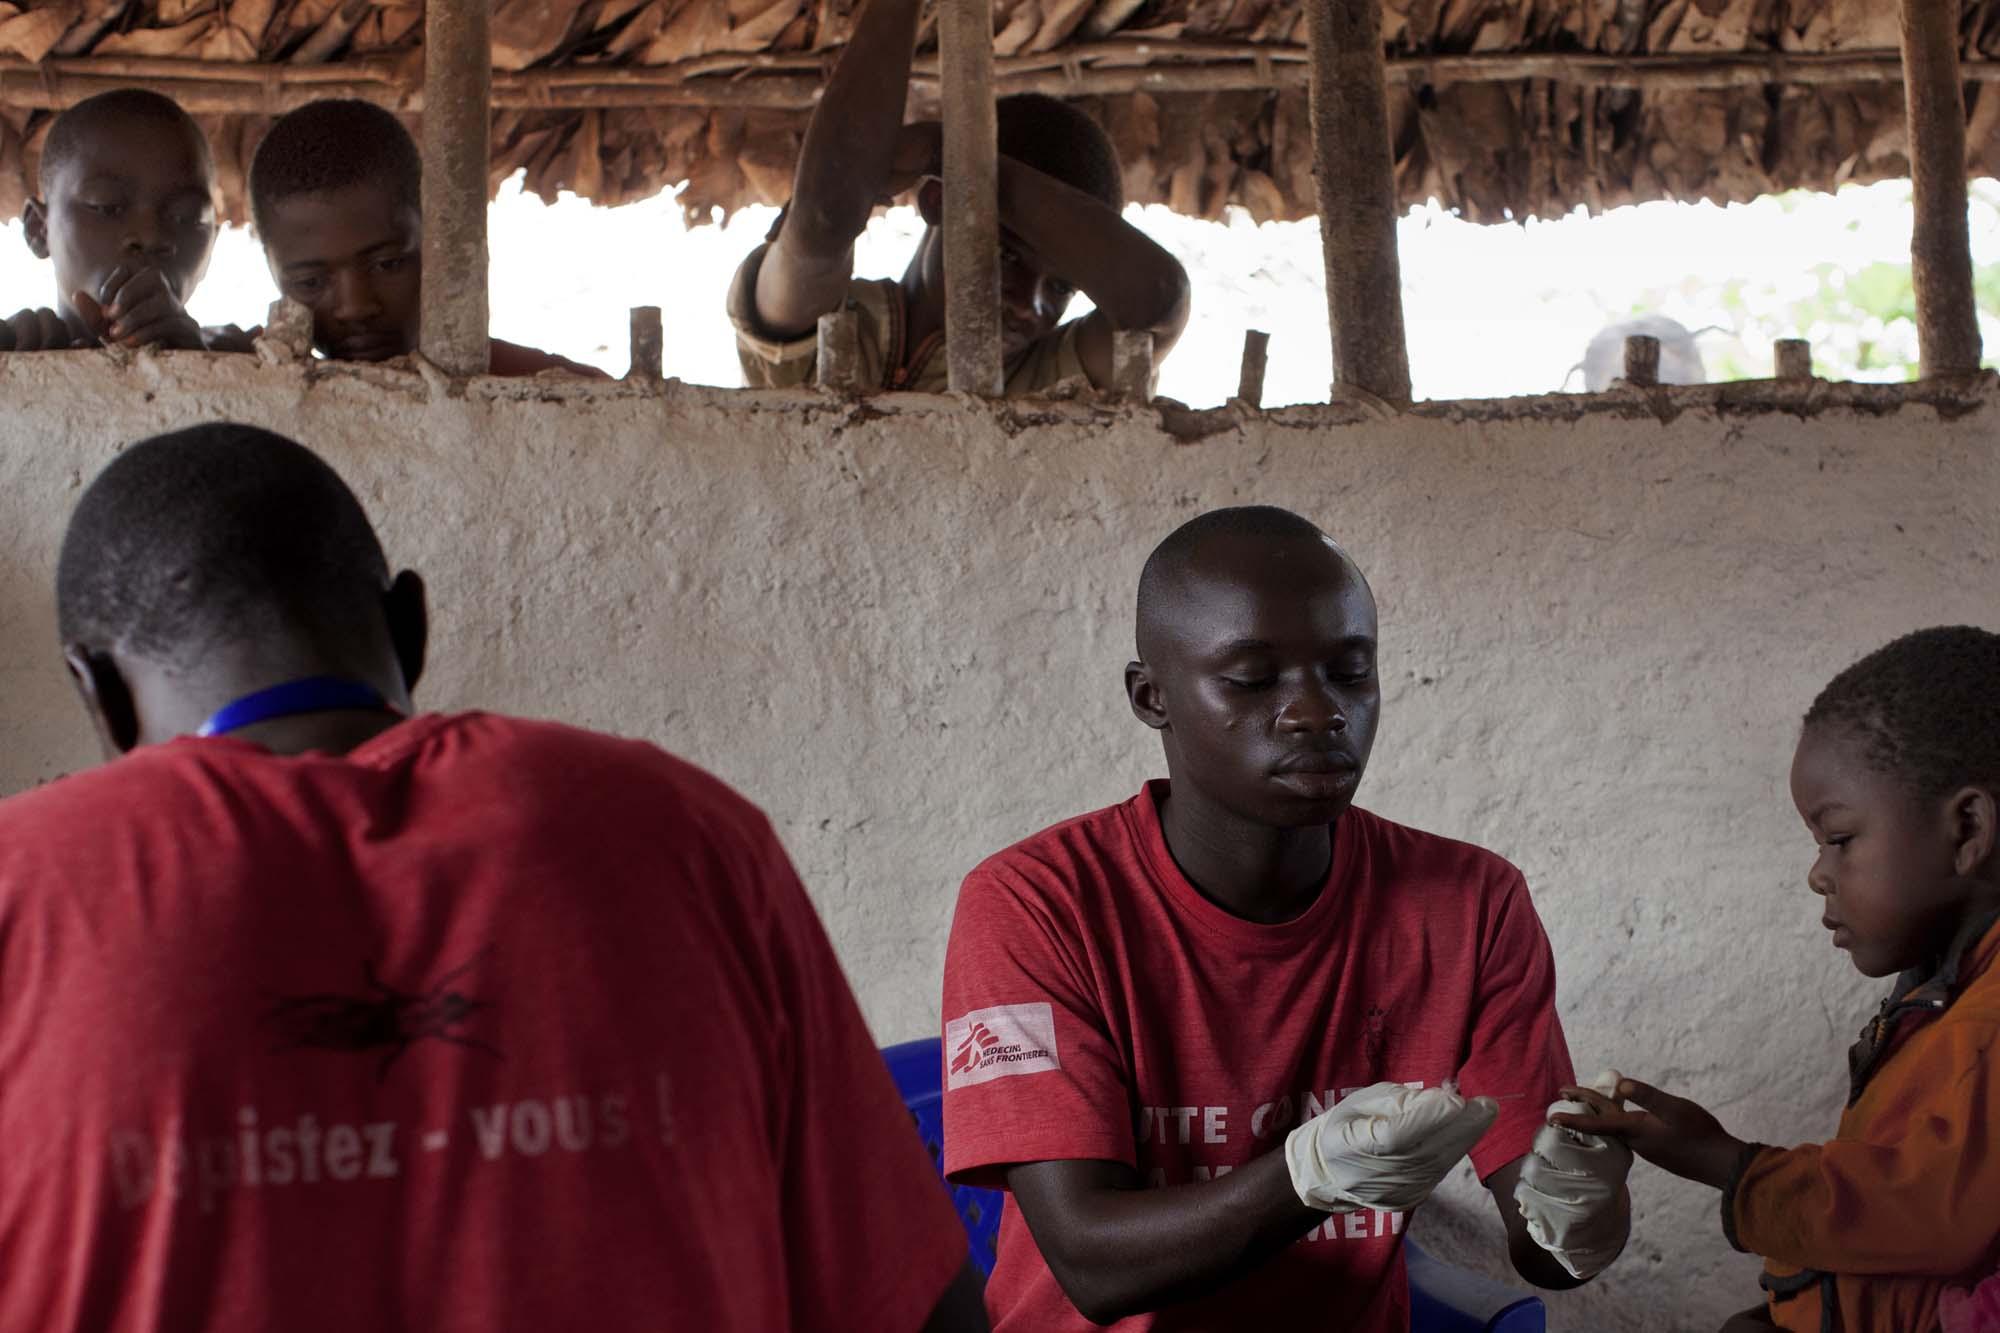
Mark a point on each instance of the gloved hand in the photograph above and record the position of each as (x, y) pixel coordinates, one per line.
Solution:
(1571, 1190)
(1385, 1147)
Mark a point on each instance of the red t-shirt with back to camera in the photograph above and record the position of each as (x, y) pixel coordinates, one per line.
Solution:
(1097, 1006)
(487, 1025)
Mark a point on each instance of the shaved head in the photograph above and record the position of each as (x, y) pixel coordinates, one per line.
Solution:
(1256, 665)
(107, 114)
(1192, 552)
(210, 564)
(214, 535)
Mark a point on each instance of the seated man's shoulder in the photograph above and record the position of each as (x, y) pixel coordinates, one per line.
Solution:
(592, 770)
(46, 813)
(1064, 862)
(1407, 851)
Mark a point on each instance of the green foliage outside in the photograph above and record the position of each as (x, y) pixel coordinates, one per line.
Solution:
(1860, 319)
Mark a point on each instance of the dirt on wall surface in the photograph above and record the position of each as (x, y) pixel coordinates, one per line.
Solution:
(901, 629)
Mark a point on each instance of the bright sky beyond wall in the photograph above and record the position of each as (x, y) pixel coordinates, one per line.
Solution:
(1491, 310)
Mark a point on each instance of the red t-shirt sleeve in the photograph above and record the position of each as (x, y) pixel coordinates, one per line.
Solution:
(1517, 1044)
(1030, 1072)
(872, 1239)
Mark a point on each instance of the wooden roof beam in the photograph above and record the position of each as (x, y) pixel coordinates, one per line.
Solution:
(792, 82)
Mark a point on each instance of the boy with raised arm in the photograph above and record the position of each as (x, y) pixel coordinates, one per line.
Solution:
(1217, 1041)
(1060, 193)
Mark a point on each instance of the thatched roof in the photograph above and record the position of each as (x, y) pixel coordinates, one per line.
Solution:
(1500, 106)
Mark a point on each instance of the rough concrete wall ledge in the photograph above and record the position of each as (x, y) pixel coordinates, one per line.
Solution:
(899, 624)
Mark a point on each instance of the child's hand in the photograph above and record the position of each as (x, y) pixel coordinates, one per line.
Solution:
(229, 338)
(35, 331)
(136, 308)
(1671, 1132)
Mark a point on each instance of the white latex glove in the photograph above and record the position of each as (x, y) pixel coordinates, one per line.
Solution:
(1386, 1147)
(1571, 1190)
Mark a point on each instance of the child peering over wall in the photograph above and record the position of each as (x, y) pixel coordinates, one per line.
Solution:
(1891, 1225)
(1059, 192)
(126, 214)
(336, 189)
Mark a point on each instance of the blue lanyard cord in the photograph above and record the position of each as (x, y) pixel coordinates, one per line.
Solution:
(314, 694)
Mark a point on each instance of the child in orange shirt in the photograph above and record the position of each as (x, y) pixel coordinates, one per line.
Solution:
(1886, 1227)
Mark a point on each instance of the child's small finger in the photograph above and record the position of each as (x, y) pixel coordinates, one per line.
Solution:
(1590, 1097)
(1643, 1094)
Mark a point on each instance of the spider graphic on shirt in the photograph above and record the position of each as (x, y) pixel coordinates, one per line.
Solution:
(384, 1018)
(1375, 1036)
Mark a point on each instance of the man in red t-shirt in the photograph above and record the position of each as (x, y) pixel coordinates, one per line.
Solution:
(1188, 1033)
(316, 1018)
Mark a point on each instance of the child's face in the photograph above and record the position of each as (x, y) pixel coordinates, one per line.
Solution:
(138, 194)
(1886, 865)
(353, 257)
(1032, 300)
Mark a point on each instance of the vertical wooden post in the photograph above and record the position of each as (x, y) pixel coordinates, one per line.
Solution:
(1355, 172)
(838, 365)
(458, 86)
(971, 199)
(1791, 359)
(648, 344)
(1256, 354)
(1642, 360)
(1940, 247)
(1132, 363)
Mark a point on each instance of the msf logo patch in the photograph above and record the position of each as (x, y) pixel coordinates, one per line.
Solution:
(992, 1043)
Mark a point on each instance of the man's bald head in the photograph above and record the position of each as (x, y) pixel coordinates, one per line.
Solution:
(1203, 546)
(212, 535)
(1257, 666)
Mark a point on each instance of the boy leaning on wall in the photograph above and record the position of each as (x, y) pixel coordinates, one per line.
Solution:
(336, 188)
(126, 214)
(1891, 1225)
(1060, 192)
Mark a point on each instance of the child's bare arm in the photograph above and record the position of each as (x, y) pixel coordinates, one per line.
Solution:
(230, 338)
(845, 164)
(1133, 281)
(1918, 1204)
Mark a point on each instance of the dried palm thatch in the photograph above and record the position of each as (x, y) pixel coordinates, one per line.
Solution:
(1499, 107)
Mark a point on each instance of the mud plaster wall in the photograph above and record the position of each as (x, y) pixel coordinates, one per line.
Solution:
(903, 635)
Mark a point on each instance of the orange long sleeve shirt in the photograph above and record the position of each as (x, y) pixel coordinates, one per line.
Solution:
(1865, 1233)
